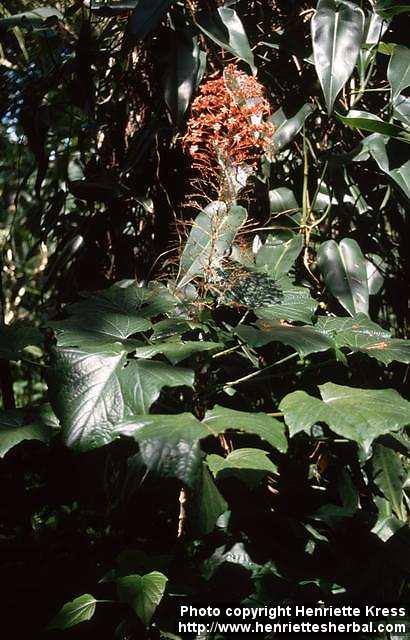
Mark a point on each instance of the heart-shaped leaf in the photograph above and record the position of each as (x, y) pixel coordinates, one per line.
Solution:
(142, 593)
(79, 610)
(93, 392)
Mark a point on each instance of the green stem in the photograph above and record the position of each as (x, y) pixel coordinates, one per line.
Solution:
(257, 373)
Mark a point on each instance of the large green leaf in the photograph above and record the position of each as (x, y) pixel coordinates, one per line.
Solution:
(126, 299)
(304, 340)
(337, 31)
(169, 444)
(221, 419)
(389, 475)
(226, 29)
(249, 465)
(112, 316)
(370, 122)
(212, 234)
(361, 334)
(142, 593)
(19, 425)
(361, 415)
(286, 131)
(180, 79)
(145, 17)
(93, 392)
(398, 72)
(79, 610)
(343, 268)
(278, 254)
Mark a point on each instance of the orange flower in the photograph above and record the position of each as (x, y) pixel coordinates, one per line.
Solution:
(228, 123)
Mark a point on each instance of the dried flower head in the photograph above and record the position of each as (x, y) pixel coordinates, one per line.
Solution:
(228, 126)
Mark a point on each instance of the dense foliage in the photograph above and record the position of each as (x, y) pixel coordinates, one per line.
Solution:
(203, 361)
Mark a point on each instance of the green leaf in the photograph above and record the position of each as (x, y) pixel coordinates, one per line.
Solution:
(401, 109)
(391, 8)
(374, 29)
(142, 593)
(212, 234)
(370, 122)
(221, 419)
(33, 18)
(375, 145)
(398, 72)
(282, 200)
(18, 425)
(79, 610)
(289, 129)
(181, 74)
(93, 392)
(145, 18)
(248, 465)
(288, 302)
(278, 254)
(226, 29)
(389, 476)
(375, 279)
(344, 271)
(169, 444)
(337, 31)
(361, 415)
(207, 505)
(176, 351)
(15, 338)
(304, 340)
(361, 334)
(112, 316)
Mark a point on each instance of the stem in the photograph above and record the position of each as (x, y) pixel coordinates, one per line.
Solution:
(183, 500)
(257, 373)
(305, 197)
(6, 380)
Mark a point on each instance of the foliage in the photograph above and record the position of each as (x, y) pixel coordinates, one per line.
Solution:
(203, 365)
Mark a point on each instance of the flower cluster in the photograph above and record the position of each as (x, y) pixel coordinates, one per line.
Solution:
(228, 124)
